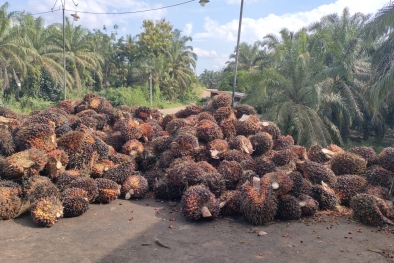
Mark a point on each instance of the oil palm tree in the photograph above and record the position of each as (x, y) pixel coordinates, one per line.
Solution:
(14, 48)
(81, 59)
(292, 100)
(341, 66)
(251, 57)
(47, 57)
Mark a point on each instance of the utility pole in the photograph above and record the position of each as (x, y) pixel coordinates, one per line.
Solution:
(64, 56)
(237, 54)
(150, 87)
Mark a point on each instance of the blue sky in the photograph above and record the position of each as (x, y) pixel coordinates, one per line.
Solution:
(213, 27)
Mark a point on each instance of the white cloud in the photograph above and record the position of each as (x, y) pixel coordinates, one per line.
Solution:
(205, 53)
(92, 21)
(256, 29)
(188, 29)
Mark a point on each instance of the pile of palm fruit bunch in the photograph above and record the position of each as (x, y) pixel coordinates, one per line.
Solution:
(216, 161)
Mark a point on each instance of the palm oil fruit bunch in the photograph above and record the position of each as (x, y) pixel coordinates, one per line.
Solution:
(198, 202)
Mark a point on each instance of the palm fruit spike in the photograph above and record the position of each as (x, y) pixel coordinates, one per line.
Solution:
(288, 207)
(208, 131)
(67, 106)
(280, 182)
(297, 182)
(246, 178)
(87, 184)
(135, 186)
(309, 206)
(386, 159)
(371, 210)
(379, 176)
(143, 113)
(129, 128)
(206, 116)
(378, 191)
(316, 154)
(349, 186)
(325, 196)
(198, 202)
(261, 142)
(74, 206)
(29, 183)
(120, 173)
(57, 161)
(101, 148)
(184, 144)
(42, 190)
(316, 172)
(57, 116)
(368, 153)
(231, 172)
(221, 100)
(10, 203)
(264, 165)
(248, 164)
(284, 157)
(7, 145)
(15, 187)
(161, 144)
(214, 182)
(36, 135)
(166, 158)
(206, 167)
(228, 129)
(99, 104)
(116, 140)
(270, 128)
(166, 120)
(242, 144)
(147, 132)
(241, 109)
(347, 163)
(230, 203)
(224, 113)
(29, 162)
(46, 211)
(75, 192)
(190, 130)
(100, 167)
(189, 110)
(160, 188)
(259, 206)
(133, 148)
(63, 181)
(249, 125)
(182, 175)
(283, 142)
(7, 113)
(306, 187)
(173, 126)
(108, 190)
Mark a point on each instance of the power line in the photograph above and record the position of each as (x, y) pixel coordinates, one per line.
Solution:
(44, 12)
(132, 12)
(120, 13)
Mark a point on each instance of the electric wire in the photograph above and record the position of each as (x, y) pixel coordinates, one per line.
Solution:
(116, 13)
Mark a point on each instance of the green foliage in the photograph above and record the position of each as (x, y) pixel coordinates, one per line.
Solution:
(27, 104)
(245, 80)
(156, 37)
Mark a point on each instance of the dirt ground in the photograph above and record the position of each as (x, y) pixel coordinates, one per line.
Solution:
(127, 231)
